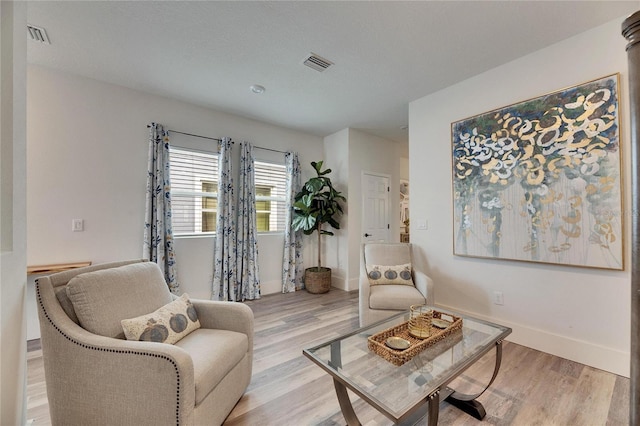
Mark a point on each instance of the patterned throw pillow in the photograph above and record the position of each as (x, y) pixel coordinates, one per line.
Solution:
(168, 324)
(397, 274)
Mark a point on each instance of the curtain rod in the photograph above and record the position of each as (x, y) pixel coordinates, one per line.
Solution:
(218, 140)
(191, 134)
(196, 136)
(270, 149)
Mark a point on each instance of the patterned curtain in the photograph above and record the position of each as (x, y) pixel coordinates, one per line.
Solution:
(224, 275)
(292, 260)
(247, 238)
(158, 234)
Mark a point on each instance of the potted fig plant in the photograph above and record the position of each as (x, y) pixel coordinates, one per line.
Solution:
(317, 204)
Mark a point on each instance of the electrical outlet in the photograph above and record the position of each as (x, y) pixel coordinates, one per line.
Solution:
(498, 298)
(77, 225)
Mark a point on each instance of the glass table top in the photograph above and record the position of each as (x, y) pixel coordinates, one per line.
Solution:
(396, 390)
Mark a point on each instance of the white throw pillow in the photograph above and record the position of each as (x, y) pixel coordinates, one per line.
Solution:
(168, 324)
(394, 274)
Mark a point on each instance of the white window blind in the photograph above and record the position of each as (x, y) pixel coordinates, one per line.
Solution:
(194, 188)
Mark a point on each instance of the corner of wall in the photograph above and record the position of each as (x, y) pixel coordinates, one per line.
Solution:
(13, 278)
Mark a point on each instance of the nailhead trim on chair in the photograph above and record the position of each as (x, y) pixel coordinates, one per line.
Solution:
(83, 345)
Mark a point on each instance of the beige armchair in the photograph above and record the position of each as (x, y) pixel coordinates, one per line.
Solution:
(377, 302)
(100, 379)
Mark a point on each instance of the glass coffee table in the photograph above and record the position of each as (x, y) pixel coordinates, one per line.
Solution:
(407, 393)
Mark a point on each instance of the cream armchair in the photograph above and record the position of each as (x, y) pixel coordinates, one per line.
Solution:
(377, 302)
(95, 379)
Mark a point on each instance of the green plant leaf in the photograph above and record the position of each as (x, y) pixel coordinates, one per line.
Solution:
(314, 185)
(333, 223)
(300, 207)
(304, 223)
(307, 199)
(317, 166)
(301, 194)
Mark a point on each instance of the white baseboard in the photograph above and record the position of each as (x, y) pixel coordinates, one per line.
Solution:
(593, 355)
(270, 287)
(339, 282)
(275, 286)
(354, 284)
(344, 283)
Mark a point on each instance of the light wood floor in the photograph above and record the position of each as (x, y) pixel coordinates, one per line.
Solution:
(532, 388)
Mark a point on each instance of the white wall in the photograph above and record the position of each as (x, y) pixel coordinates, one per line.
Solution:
(372, 154)
(576, 313)
(335, 249)
(87, 159)
(349, 153)
(13, 225)
(404, 168)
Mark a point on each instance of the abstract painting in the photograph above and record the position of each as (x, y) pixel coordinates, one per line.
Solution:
(540, 180)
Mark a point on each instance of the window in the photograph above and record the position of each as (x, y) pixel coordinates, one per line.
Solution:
(270, 196)
(209, 207)
(193, 191)
(194, 195)
(263, 208)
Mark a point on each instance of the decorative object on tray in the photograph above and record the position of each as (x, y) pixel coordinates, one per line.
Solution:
(377, 342)
(395, 342)
(440, 323)
(420, 317)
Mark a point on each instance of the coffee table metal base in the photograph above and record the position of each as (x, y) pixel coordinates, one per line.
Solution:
(473, 407)
(464, 402)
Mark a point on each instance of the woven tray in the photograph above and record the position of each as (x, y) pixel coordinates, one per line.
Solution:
(376, 342)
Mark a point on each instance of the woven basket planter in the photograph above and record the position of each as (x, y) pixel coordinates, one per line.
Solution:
(317, 281)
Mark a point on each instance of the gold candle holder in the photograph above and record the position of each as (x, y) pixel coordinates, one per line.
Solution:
(420, 321)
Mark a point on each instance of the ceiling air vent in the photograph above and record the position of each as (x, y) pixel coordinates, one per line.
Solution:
(317, 63)
(37, 34)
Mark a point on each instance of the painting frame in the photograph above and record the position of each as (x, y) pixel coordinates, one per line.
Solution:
(541, 180)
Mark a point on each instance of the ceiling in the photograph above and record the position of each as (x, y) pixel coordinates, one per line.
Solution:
(385, 53)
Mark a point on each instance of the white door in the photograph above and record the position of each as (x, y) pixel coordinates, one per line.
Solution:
(375, 207)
